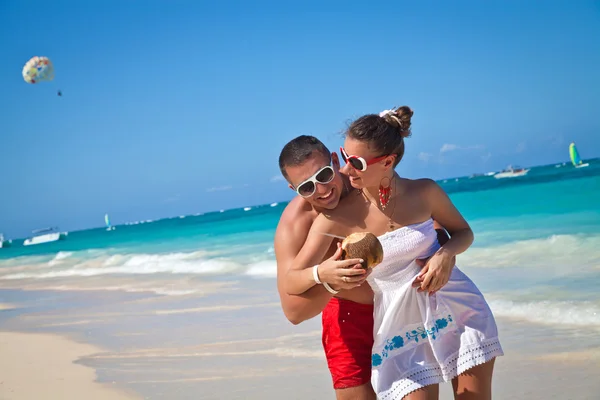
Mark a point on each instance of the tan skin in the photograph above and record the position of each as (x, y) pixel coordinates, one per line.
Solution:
(412, 202)
(292, 231)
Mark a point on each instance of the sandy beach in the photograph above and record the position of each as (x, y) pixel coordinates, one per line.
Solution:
(112, 345)
(43, 366)
(162, 162)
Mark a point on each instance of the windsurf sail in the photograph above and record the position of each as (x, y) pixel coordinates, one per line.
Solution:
(575, 158)
(106, 220)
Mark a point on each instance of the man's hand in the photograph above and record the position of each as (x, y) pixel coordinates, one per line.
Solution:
(342, 274)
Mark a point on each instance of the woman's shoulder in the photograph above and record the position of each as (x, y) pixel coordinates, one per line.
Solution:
(423, 186)
(421, 183)
(425, 189)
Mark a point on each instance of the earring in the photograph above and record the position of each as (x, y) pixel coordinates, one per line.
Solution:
(384, 193)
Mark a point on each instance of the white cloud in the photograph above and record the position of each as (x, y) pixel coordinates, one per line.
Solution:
(521, 147)
(452, 147)
(219, 188)
(424, 156)
(448, 147)
(277, 178)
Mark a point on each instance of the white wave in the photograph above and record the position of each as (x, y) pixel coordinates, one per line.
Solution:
(198, 262)
(557, 250)
(264, 269)
(61, 255)
(574, 313)
(22, 261)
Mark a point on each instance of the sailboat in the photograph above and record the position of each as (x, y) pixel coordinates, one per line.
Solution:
(4, 243)
(575, 158)
(109, 227)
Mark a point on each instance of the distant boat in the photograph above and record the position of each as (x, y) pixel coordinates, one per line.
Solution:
(109, 227)
(274, 204)
(511, 172)
(575, 158)
(247, 208)
(44, 236)
(3, 242)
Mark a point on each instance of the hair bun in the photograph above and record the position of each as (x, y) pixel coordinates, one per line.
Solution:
(400, 118)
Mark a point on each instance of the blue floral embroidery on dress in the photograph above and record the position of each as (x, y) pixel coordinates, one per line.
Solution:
(420, 333)
(442, 323)
(376, 360)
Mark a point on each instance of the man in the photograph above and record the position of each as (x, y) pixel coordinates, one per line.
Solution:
(313, 172)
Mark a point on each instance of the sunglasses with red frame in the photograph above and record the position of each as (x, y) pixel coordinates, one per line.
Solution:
(357, 162)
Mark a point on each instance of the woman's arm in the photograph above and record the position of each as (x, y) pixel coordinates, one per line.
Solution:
(438, 269)
(446, 214)
(300, 277)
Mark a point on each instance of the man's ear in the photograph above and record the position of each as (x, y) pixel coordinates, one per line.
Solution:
(335, 160)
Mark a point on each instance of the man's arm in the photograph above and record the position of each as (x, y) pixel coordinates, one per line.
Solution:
(442, 234)
(343, 273)
(289, 238)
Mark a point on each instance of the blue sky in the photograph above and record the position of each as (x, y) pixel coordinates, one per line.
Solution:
(178, 107)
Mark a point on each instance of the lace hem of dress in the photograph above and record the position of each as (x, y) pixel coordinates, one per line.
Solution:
(456, 364)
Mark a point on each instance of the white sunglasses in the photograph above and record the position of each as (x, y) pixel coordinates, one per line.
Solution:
(323, 176)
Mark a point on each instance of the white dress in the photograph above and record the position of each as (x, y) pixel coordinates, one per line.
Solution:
(422, 340)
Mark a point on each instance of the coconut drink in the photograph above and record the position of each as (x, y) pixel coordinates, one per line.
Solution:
(363, 245)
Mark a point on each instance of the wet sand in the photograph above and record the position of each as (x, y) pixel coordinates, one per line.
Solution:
(233, 344)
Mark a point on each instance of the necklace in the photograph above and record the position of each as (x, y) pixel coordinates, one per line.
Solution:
(390, 216)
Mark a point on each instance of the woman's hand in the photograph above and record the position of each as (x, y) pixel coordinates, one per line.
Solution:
(436, 271)
(342, 274)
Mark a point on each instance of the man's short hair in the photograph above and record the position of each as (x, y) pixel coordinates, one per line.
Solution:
(298, 150)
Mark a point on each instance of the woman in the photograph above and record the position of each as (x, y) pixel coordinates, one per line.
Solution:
(421, 339)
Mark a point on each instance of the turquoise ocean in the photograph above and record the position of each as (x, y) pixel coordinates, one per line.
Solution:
(536, 254)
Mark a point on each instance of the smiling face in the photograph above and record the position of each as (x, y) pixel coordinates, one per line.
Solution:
(374, 173)
(326, 195)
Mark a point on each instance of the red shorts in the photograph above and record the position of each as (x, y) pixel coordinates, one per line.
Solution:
(348, 340)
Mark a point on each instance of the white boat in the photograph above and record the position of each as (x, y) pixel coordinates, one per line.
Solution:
(45, 236)
(511, 172)
(109, 227)
(3, 242)
(575, 158)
